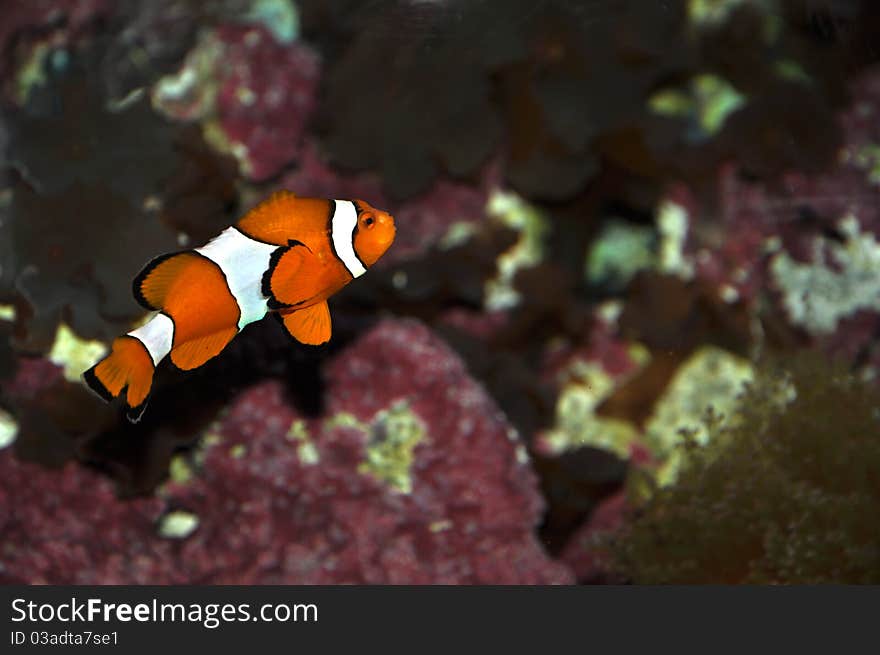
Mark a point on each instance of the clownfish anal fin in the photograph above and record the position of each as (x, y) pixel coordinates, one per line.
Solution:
(195, 352)
(293, 276)
(310, 325)
(151, 286)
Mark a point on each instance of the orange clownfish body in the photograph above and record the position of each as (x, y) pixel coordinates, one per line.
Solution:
(287, 256)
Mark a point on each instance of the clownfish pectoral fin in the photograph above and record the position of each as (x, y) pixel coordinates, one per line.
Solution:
(129, 368)
(293, 276)
(195, 352)
(310, 325)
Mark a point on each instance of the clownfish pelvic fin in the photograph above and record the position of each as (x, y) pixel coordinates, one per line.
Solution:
(310, 325)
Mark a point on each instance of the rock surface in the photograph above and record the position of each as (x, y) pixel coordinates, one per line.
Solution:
(411, 475)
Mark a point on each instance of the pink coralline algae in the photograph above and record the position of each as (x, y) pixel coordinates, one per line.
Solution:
(254, 95)
(411, 475)
(773, 245)
(583, 552)
(266, 96)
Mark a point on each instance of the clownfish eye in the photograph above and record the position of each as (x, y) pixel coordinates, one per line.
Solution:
(368, 221)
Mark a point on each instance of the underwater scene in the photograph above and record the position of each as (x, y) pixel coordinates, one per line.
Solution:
(439, 291)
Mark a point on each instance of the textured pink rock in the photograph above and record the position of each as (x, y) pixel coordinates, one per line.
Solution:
(266, 96)
(581, 552)
(267, 516)
(68, 526)
(33, 375)
(602, 345)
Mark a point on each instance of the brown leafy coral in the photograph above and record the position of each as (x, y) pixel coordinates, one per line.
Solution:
(785, 493)
(98, 188)
(566, 88)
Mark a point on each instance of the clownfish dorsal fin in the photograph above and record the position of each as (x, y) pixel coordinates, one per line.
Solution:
(310, 325)
(195, 352)
(154, 282)
(272, 220)
(294, 276)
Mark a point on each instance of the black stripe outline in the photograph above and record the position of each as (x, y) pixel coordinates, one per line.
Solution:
(93, 383)
(353, 232)
(330, 233)
(225, 281)
(266, 281)
(133, 414)
(173, 332)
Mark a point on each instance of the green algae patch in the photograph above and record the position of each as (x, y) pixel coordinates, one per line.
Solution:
(707, 101)
(280, 17)
(620, 251)
(711, 14)
(394, 434)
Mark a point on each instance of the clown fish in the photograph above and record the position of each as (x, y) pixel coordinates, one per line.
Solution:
(286, 256)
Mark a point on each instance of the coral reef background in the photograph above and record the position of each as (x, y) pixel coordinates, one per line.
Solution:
(629, 331)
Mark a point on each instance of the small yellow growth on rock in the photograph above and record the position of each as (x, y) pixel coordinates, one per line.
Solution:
(707, 385)
(576, 422)
(8, 429)
(178, 525)
(344, 420)
(672, 223)
(394, 434)
(306, 450)
(73, 354)
(180, 470)
(512, 211)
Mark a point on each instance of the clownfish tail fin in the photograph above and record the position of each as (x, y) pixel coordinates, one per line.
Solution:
(128, 368)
